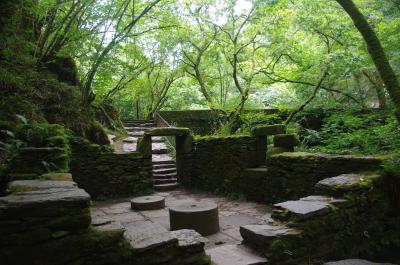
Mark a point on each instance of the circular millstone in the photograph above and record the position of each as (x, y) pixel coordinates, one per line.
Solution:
(148, 203)
(199, 216)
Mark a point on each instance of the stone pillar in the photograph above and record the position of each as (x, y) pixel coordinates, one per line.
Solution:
(144, 146)
(261, 149)
(184, 144)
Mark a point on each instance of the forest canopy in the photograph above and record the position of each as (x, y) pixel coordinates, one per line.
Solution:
(88, 64)
(223, 55)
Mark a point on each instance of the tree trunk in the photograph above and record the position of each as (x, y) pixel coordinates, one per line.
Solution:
(376, 51)
(376, 82)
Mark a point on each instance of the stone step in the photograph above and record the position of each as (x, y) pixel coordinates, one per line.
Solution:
(235, 255)
(344, 183)
(136, 134)
(165, 181)
(129, 147)
(138, 123)
(261, 237)
(162, 159)
(163, 162)
(305, 208)
(130, 140)
(164, 170)
(157, 139)
(164, 176)
(160, 151)
(355, 262)
(137, 129)
(164, 166)
(166, 187)
(141, 125)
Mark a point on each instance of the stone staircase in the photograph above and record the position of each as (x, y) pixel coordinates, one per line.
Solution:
(306, 231)
(164, 166)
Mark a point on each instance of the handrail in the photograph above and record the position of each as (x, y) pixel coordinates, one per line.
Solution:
(161, 122)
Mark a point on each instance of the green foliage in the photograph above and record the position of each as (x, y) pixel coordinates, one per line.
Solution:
(350, 133)
(251, 119)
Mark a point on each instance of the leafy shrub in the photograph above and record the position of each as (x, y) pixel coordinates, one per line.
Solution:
(347, 133)
(251, 119)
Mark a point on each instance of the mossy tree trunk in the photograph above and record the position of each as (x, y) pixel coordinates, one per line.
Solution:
(376, 51)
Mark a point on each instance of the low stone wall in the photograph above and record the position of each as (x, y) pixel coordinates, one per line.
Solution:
(294, 175)
(215, 163)
(103, 173)
(48, 222)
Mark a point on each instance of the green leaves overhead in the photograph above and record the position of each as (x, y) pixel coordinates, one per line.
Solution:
(228, 54)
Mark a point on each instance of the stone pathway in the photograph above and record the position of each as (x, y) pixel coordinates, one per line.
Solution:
(222, 246)
(164, 166)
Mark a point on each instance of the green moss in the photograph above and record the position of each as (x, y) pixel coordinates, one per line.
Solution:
(168, 131)
(266, 130)
(17, 189)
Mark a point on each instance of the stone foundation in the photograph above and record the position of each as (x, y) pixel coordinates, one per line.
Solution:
(103, 173)
(215, 163)
(47, 222)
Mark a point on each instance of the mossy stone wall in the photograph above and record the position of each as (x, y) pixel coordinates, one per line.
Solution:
(215, 163)
(49, 223)
(103, 173)
(294, 175)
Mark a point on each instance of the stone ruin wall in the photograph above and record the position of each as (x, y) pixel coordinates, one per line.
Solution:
(107, 174)
(231, 165)
(215, 163)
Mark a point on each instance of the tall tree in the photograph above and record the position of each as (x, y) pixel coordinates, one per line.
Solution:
(376, 51)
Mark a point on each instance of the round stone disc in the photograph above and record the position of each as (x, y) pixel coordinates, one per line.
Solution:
(148, 203)
(199, 216)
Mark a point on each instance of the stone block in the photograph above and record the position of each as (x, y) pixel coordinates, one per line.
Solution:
(168, 131)
(344, 183)
(286, 140)
(305, 208)
(268, 130)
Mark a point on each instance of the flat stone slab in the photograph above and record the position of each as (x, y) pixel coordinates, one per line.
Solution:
(168, 131)
(189, 239)
(266, 130)
(57, 176)
(342, 183)
(158, 146)
(30, 185)
(157, 139)
(166, 187)
(146, 236)
(235, 255)
(148, 203)
(262, 235)
(101, 220)
(165, 170)
(46, 196)
(130, 139)
(162, 159)
(308, 207)
(199, 216)
(355, 262)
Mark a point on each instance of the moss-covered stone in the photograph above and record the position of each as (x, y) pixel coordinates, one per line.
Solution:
(268, 130)
(215, 163)
(168, 131)
(286, 140)
(103, 173)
